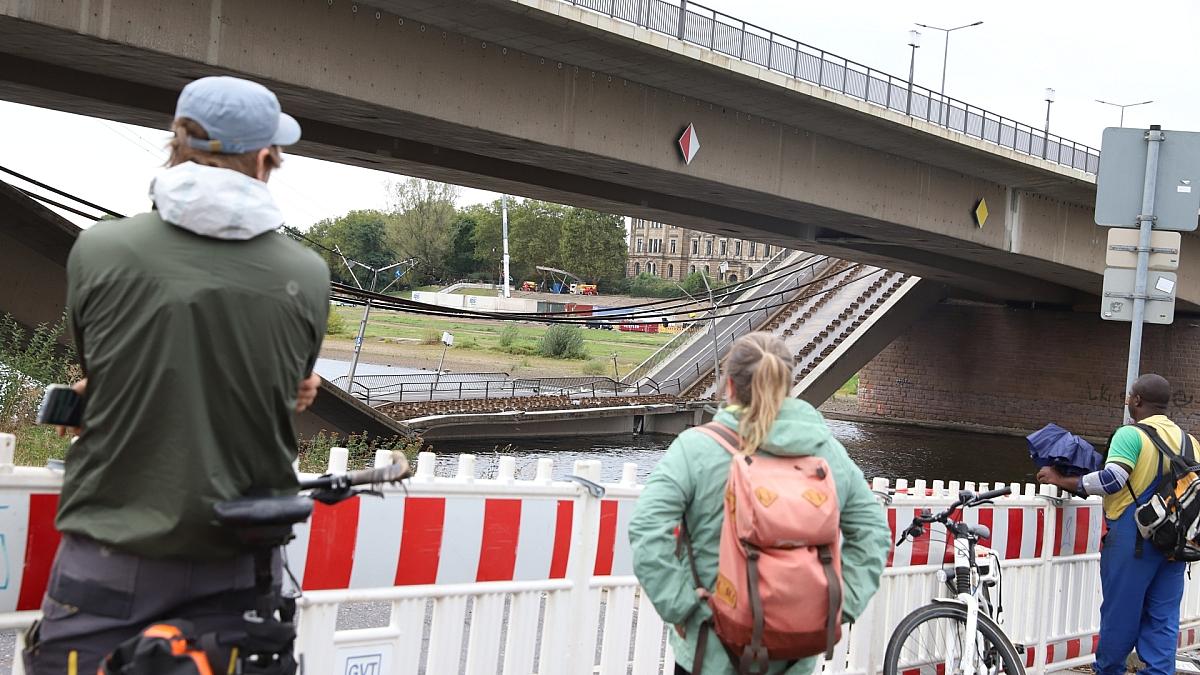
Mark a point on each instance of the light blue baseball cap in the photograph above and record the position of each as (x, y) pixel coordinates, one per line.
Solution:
(238, 115)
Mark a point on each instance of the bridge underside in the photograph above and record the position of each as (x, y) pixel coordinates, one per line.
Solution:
(786, 165)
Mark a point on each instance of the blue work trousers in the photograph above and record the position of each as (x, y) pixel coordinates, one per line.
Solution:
(1141, 602)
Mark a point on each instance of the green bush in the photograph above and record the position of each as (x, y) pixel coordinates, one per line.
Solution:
(467, 343)
(336, 325)
(29, 362)
(521, 350)
(563, 341)
(595, 367)
(509, 334)
(647, 285)
(431, 336)
(314, 451)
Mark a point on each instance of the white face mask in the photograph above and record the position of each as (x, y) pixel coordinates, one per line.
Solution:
(214, 202)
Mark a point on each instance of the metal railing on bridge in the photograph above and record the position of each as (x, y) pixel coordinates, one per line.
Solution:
(380, 389)
(699, 25)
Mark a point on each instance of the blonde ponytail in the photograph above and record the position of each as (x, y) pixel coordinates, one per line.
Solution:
(760, 367)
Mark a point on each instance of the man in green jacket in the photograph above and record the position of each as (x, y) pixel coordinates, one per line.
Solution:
(194, 324)
(690, 481)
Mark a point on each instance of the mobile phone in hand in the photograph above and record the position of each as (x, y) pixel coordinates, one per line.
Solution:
(61, 406)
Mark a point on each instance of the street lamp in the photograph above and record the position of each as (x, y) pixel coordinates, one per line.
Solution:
(945, 57)
(1123, 106)
(1046, 134)
(914, 41)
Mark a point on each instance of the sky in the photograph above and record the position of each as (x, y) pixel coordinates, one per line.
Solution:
(1116, 51)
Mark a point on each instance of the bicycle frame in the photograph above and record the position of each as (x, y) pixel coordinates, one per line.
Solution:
(967, 553)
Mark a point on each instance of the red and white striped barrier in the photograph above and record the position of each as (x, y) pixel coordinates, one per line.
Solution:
(553, 544)
(371, 543)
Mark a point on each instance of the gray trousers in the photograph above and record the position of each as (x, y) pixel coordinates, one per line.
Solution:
(99, 597)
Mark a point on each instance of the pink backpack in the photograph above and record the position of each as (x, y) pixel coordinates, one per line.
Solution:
(778, 594)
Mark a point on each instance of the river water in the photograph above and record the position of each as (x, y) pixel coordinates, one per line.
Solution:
(884, 450)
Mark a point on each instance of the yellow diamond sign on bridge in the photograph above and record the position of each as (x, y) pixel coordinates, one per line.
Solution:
(980, 212)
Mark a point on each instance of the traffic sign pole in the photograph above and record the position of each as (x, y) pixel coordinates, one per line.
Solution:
(1146, 224)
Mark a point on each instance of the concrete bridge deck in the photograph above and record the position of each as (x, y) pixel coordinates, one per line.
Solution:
(541, 98)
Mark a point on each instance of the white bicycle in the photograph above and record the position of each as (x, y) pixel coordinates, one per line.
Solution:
(959, 635)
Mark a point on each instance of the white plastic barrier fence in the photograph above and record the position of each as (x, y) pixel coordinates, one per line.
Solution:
(535, 576)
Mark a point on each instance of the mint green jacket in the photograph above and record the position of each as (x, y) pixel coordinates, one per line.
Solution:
(690, 480)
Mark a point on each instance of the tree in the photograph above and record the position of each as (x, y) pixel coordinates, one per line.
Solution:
(534, 235)
(486, 238)
(360, 236)
(593, 245)
(460, 261)
(421, 225)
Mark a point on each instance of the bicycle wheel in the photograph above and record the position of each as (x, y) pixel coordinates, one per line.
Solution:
(930, 642)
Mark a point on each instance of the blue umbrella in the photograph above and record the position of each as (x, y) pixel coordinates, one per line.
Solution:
(1054, 446)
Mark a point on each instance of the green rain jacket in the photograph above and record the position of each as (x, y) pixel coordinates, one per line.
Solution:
(690, 481)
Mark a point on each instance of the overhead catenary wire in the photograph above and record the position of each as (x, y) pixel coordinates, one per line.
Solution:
(59, 205)
(60, 193)
(342, 292)
(616, 319)
(354, 296)
(736, 288)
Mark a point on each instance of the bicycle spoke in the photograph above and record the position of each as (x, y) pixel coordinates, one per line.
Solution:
(933, 649)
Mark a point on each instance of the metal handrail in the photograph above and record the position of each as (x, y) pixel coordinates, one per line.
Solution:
(684, 337)
(420, 387)
(721, 33)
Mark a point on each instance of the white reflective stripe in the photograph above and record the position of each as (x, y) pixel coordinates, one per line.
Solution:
(1029, 531)
(462, 539)
(1095, 532)
(380, 524)
(939, 542)
(999, 538)
(903, 553)
(622, 553)
(297, 553)
(1067, 542)
(14, 534)
(535, 541)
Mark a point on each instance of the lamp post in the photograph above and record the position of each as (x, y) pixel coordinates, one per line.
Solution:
(1123, 106)
(1046, 133)
(504, 227)
(944, 118)
(914, 41)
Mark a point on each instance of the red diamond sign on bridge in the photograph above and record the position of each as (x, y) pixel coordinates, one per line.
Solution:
(689, 144)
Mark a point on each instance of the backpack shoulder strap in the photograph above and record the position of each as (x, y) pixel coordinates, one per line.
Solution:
(1157, 442)
(1177, 460)
(726, 437)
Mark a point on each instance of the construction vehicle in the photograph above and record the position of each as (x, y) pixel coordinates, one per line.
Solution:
(562, 281)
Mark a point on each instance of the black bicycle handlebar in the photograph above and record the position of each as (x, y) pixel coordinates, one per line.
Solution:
(992, 494)
(966, 499)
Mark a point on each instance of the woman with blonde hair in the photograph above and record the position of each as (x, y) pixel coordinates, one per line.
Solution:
(689, 484)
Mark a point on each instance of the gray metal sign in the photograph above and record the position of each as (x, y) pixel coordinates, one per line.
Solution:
(1123, 243)
(1116, 303)
(1122, 171)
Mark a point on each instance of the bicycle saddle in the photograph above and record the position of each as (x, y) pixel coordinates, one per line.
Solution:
(263, 511)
